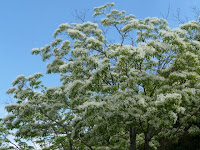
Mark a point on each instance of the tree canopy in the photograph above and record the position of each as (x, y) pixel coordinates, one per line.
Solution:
(140, 91)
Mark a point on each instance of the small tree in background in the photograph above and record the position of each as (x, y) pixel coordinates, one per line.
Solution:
(140, 92)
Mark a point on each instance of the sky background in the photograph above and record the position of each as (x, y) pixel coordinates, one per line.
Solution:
(27, 24)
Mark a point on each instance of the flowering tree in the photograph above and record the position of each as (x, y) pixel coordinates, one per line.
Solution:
(140, 92)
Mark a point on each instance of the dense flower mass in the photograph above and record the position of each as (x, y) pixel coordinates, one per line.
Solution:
(140, 92)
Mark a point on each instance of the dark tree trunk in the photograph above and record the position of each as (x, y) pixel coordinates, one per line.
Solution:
(147, 136)
(146, 144)
(70, 145)
(132, 138)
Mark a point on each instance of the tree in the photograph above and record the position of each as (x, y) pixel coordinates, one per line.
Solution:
(140, 92)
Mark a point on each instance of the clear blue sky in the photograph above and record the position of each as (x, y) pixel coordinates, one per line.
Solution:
(27, 24)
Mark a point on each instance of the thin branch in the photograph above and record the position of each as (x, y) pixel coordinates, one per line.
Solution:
(140, 122)
(85, 143)
(196, 11)
(123, 36)
(58, 123)
(12, 142)
(80, 15)
(153, 91)
(194, 113)
(144, 90)
(167, 14)
(177, 17)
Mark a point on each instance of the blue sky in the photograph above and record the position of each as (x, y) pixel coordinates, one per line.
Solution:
(27, 24)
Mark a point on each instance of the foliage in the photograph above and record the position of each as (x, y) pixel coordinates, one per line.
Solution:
(140, 92)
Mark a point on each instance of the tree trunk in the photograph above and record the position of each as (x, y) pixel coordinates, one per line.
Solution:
(147, 137)
(147, 140)
(70, 145)
(132, 138)
(146, 144)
